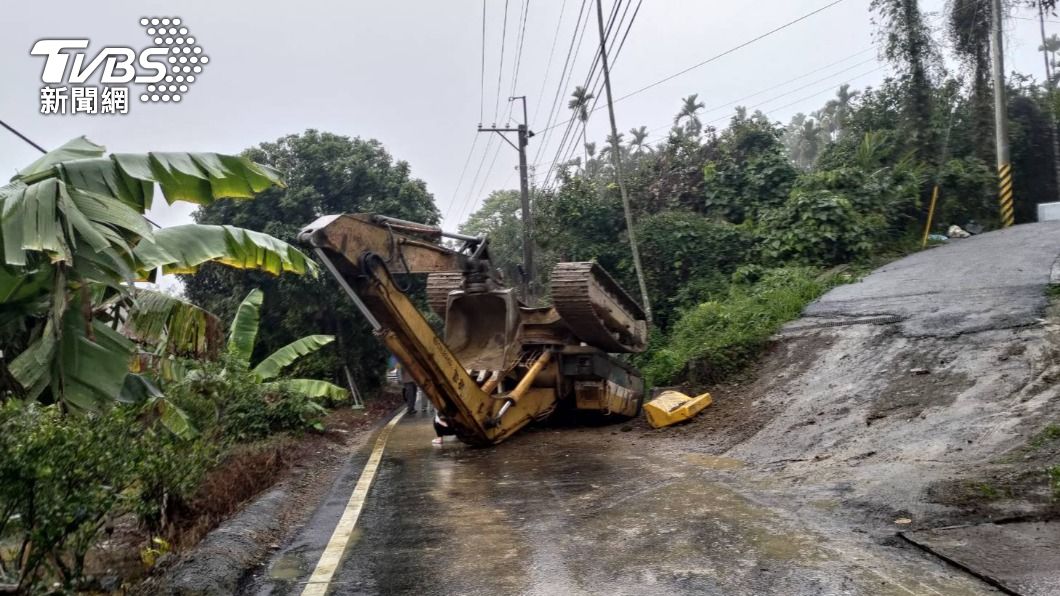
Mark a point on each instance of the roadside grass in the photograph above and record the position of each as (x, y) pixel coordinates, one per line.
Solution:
(1049, 434)
(1048, 438)
(718, 338)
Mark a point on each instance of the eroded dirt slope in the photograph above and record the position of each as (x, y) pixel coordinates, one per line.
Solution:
(914, 393)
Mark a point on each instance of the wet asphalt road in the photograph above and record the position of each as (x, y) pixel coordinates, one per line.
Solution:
(992, 281)
(588, 511)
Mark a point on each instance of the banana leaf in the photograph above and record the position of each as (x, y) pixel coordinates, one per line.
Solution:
(79, 148)
(285, 356)
(181, 249)
(313, 388)
(244, 330)
(173, 324)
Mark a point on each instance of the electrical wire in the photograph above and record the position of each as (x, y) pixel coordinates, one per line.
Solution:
(574, 123)
(548, 67)
(724, 53)
(579, 26)
(22, 136)
(463, 171)
(482, 74)
(500, 65)
(787, 105)
(789, 92)
(519, 51)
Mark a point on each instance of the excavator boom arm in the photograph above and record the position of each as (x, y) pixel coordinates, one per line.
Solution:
(360, 251)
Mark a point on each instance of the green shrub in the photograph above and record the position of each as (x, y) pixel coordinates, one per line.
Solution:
(61, 477)
(169, 470)
(818, 227)
(717, 338)
(228, 402)
(688, 257)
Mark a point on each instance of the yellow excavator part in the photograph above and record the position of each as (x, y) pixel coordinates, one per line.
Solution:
(672, 407)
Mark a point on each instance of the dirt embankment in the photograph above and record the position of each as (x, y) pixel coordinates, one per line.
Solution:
(929, 391)
(252, 502)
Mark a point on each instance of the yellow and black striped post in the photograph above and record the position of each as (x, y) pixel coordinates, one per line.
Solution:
(997, 64)
(1004, 179)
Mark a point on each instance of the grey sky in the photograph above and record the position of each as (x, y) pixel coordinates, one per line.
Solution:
(408, 74)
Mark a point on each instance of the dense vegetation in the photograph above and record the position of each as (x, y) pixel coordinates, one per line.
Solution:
(116, 401)
(736, 224)
(324, 174)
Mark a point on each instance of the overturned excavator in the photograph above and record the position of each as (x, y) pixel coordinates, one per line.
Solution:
(499, 364)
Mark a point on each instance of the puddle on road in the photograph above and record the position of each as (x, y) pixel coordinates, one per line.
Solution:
(287, 567)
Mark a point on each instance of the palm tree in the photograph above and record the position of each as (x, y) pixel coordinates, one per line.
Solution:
(690, 113)
(839, 108)
(807, 144)
(579, 103)
(590, 155)
(612, 142)
(638, 143)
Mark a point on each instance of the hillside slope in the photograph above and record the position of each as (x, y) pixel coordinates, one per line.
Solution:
(916, 391)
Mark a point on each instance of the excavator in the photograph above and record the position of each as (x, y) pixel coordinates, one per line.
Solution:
(499, 363)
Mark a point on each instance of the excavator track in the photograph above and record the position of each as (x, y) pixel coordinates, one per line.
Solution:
(596, 309)
(439, 285)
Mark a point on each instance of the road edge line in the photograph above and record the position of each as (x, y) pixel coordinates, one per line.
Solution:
(320, 580)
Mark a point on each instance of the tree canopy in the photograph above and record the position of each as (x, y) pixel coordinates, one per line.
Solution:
(325, 174)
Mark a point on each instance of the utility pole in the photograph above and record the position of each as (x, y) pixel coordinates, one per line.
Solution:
(1004, 165)
(523, 133)
(1050, 85)
(616, 160)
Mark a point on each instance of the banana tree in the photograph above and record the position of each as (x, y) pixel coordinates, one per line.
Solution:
(242, 335)
(73, 235)
(169, 326)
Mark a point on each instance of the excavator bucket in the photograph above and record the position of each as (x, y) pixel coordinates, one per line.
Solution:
(672, 407)
(482, 328)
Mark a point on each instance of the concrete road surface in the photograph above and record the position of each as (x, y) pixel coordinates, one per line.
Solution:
(587, 511)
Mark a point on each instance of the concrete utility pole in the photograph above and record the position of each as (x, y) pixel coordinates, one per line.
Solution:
(524, 135)
(1004, 166)
(616, 160)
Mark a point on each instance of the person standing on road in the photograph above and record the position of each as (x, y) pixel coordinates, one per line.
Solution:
(442, 429)
(408, 390)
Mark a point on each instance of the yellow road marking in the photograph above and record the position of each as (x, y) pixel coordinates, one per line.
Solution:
(320, 580)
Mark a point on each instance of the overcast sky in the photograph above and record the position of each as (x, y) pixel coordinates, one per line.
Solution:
(408, 73)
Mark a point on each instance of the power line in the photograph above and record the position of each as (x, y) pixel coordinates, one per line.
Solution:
(787, 105)
(790, 91)
(519, 51)
(463, 171)
(475, 179)
(482, 74)
(726, 52)
(572, 122)
(814, 94)
(548, 67)
(500, 65)
(22, 136)
(578, 26)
